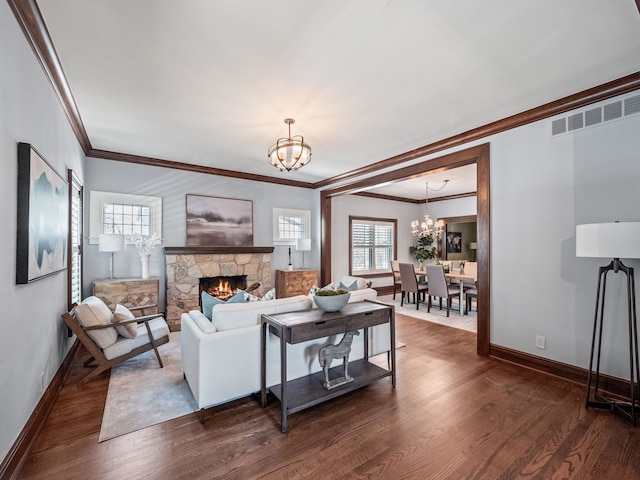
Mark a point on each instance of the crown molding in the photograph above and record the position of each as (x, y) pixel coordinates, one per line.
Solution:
(30, 19)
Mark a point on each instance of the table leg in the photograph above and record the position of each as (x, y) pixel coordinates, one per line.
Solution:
(283, 382)
(263, 365)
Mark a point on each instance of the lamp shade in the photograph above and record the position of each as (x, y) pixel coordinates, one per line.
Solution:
(110, 243)
(303, 244)
(473, 245)
(608, 240)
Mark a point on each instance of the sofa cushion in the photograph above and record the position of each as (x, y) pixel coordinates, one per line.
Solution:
(360, 283)
(93, 312)
(122, 313)
(228, 316)
(159, 329)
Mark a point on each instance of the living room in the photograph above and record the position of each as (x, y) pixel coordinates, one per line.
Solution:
(541, 187)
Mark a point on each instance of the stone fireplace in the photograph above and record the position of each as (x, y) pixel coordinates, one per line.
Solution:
(185, 266)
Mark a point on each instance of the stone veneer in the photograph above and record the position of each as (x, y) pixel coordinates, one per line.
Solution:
(186, 265)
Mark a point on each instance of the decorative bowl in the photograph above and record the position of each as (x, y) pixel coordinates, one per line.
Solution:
(331, 303)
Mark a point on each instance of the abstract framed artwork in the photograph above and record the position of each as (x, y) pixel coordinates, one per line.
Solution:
(217, 221)
(454, 242)
(43, 217)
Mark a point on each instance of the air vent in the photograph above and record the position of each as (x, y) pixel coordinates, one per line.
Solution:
(612, 111)
(632, 105)
(596, 115)
(592, 117)
(559, 126)
(575, 121)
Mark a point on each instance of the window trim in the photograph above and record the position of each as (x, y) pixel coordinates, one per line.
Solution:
(379, 273)
(279, 212)
(97, 199)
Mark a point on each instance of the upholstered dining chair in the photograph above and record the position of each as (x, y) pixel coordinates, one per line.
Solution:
(438, 287)
(397, 283)
(469, 296)
(410, 284)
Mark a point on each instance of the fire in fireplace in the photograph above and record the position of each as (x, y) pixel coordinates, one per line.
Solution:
(223, 287)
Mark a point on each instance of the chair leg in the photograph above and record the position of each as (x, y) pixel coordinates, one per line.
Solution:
(448, 301)
(395, 288)
(402, 298)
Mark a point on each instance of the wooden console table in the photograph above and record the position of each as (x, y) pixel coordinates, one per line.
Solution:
(296, 327)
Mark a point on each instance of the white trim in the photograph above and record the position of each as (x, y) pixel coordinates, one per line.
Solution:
(288, 212)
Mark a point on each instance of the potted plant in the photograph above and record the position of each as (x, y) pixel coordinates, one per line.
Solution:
(424, 250)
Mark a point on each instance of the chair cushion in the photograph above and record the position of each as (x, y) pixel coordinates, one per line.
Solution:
(93, 312)
(122, 313)
(159, 329)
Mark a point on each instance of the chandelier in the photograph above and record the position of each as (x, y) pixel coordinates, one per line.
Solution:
(426, 228)
(289, 153)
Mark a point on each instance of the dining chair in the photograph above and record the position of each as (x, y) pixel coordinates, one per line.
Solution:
(438, 287)
(397, 283)
(410, 284)
(469, 296)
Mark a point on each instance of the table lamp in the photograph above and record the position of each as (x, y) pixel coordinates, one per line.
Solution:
(612, 240)
(111, 243)
(303, 245)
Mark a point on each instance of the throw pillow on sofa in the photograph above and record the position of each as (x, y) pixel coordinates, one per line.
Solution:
(209, 301)
(270, 295)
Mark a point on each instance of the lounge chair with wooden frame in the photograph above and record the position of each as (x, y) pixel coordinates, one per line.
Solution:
(110, 343)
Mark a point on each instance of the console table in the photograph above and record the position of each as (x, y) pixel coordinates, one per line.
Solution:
(296, 327)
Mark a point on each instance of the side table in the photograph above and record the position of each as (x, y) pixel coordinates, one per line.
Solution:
(296, 327)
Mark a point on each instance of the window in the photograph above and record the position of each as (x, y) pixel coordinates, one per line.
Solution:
(124, 213)
(74, 258)
(373, 245)
(289, 225)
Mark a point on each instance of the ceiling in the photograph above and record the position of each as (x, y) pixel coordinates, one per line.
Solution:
(210, 83)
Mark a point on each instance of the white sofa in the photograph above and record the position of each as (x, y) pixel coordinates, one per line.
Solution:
(221, 358)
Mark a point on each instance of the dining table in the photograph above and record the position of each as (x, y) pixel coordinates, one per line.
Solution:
(458, 274)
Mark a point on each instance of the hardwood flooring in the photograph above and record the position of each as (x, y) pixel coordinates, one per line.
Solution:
(453, 415)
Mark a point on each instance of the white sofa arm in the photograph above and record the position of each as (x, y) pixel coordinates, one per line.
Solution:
(220, 366)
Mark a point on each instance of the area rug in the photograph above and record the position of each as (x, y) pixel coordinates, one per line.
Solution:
(455, 320)
(142, 394)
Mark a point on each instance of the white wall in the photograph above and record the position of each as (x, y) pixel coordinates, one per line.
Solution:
(172, 186)
(33, 339)
(541, 188)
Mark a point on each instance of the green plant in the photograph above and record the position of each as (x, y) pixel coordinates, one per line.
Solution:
(330, 292)
(424, 250)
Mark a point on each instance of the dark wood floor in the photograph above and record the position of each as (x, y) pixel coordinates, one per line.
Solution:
(453, 415)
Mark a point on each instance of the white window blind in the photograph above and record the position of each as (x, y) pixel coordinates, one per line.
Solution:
(75, 242)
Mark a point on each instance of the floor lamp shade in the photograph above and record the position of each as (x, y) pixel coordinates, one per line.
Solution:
(613, 241)
(608, 240)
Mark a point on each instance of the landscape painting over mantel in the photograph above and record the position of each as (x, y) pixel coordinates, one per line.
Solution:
(216, 221)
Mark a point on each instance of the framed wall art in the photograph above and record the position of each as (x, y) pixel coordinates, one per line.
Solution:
(219, 221)
(43, 217)
(454, 242)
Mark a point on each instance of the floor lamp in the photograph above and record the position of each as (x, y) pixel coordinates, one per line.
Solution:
(612, 240)
(111, 244)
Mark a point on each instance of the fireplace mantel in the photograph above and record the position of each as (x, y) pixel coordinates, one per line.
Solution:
(208, 250)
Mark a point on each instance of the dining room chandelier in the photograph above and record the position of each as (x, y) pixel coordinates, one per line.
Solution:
(289, 153)
(427, 226)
